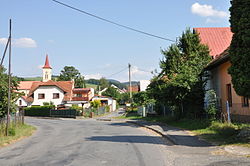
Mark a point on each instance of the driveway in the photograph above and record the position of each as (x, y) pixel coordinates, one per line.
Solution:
(92, 143)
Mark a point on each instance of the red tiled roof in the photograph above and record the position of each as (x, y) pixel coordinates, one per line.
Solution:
(217, 39)
(25, 85)
(81, 90)
(46, 65)
(66, 86)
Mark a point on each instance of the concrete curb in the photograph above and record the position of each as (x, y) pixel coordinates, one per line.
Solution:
(169, 138)
(237, 150)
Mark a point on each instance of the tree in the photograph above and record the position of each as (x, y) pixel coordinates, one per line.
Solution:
(142, 98)
(4, 93)
(103, 83)
(182, 74)
(239, 51)
(68, 73)
(111, 92)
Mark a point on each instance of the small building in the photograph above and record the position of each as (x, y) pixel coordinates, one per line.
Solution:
(106, 101)
(218, 41)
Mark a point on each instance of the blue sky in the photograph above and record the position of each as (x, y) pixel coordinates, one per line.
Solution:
(97, 48)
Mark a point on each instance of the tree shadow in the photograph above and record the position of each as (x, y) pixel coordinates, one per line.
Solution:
(175, 135)
(127, 139)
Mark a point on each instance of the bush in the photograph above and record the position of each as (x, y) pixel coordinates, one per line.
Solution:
(38, 110)
(224, 129)
(12, 132)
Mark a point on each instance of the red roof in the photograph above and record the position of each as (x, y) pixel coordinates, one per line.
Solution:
(66, 86)
(217, 39)
(46, 65)
(25, 85)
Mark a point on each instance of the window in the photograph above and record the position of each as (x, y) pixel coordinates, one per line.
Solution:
(20, 102)
(245, 102)
(41, 96)
(229, 94)
(55, 95)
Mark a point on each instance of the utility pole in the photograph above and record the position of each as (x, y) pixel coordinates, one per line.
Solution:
(130, 86)
(9, 86)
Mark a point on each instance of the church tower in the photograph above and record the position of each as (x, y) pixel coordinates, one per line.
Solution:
(47, 70)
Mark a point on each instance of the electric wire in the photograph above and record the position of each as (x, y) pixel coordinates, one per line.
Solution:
(112, 22)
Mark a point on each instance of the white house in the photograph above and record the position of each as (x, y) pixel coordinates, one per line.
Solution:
(47, 90)
(106, 101)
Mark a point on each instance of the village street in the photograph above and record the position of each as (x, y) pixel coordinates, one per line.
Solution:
(94, 142)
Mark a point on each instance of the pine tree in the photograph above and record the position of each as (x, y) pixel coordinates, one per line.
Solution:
(239, 51)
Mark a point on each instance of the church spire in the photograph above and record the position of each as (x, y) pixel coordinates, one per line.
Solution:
(47, 70)
(46, 65)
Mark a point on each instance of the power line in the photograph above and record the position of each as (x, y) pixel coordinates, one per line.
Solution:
(117, 72)
(112, 22)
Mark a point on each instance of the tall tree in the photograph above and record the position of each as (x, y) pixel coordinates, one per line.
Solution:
(239, 51)
(68, 73)
(104, 83)
(182, 71)
(111, 92)
(4, 92)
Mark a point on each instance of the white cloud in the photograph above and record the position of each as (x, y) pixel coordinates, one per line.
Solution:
(51, 41)
(21, 42)
(94, 76)
(209, 20)
(136, 71)
(40, 66)
(207, 11)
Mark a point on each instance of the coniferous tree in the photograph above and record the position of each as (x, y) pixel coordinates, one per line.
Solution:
(239, 51)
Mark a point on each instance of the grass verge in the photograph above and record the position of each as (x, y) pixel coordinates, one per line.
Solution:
(16, 134)
(212, 131)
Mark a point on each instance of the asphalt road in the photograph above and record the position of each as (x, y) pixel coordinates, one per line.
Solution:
(93, 143)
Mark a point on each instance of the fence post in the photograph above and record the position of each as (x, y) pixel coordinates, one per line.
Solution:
(228, 112)
(164, 110)
(143, 112)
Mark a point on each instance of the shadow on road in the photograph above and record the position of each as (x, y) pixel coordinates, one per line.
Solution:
(127, 139)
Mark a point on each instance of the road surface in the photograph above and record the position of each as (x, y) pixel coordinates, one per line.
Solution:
(104, 143)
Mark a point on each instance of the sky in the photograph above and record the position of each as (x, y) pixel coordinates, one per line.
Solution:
(94, 47)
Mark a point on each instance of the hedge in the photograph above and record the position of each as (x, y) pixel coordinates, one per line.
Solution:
(38, 110)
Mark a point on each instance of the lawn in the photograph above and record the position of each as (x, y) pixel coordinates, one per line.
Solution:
(17, 133)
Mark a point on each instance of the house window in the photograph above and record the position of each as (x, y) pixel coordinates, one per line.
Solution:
(229, 94)
(55, 95)
(245, 102)
(41, 96)
(46, 75)
(20, 102)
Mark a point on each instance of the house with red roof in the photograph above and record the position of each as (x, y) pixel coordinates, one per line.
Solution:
(47, 90)
(218, 40)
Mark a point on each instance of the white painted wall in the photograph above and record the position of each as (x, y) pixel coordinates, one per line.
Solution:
(47, 74)
(144, 84)
(24, 103)
(48, 91)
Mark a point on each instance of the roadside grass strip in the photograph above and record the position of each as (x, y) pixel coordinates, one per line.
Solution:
(212, 131)
(16, 133)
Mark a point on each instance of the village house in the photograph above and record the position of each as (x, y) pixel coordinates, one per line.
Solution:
(218, 41)
(58, 92)
(106, 101)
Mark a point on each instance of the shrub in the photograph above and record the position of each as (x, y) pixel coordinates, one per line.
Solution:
(38, 110)
(95, 103)
(12, 131)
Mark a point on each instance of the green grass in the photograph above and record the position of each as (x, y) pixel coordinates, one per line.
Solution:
(91, 86)
(33, 79)
(16, 133)
(212, 131)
